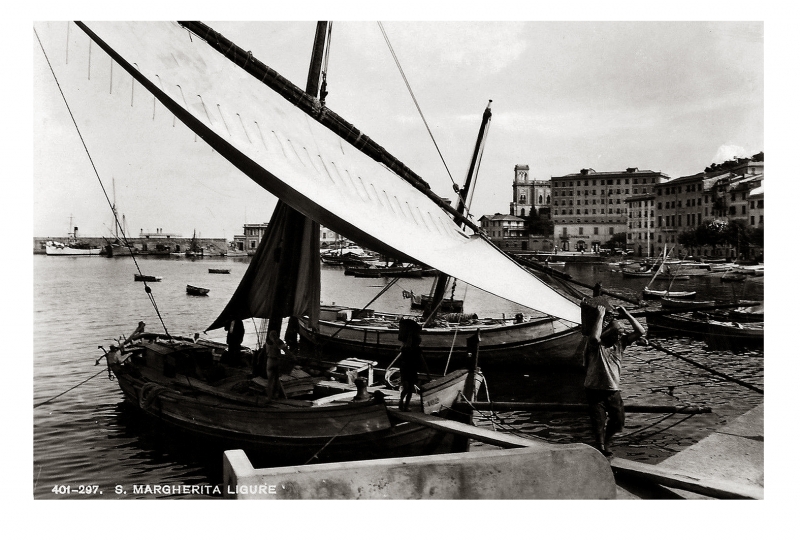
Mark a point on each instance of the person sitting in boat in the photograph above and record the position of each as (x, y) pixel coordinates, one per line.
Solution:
(275, 347)
(233, 356)
(603, 360)
(138, 333)
(411, 359)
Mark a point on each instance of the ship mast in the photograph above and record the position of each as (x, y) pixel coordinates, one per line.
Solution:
(287, 268)
(462, 210)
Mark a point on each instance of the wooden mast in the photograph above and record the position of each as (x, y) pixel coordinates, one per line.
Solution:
(287, 268)
(462, 209)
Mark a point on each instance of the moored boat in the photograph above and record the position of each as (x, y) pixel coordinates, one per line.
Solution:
(219, 270)
(187, 385)
(684, 304)
(53, 247)
(196, 291)
(144, 277)
(517, 343)
(656, 293)
(423, 302)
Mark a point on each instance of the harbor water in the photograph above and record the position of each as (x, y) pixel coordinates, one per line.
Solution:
(88, 443)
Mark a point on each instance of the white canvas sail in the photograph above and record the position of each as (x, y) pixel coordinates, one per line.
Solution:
(307, 165)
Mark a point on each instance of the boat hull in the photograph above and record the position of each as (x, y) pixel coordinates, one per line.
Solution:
(162, 382)
(69, 251)
(545, 342)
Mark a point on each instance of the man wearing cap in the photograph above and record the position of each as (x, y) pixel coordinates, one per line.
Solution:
(603, 359)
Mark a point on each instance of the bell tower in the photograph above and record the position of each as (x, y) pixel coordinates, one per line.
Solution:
(522, 187)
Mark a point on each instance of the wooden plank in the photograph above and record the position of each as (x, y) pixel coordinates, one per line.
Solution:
(503, 440)
(675, 478)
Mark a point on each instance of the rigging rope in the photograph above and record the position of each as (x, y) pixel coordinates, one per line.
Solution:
(414, 98)
(97, 174)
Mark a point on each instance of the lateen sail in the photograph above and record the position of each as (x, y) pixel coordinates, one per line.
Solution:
(308, 166)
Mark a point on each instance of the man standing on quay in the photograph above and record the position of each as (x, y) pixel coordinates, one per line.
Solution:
(603, 359)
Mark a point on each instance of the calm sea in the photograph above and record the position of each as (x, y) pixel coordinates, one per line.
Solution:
(89, 437)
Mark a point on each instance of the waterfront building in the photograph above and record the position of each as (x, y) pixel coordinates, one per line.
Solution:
(589, 207)
(254, 232)
(681, 205)
(528, 194)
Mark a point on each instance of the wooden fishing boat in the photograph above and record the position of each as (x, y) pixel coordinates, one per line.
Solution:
(187, 385)
(746, 314)
(721, 267)
(637, 273)
(219, 270)
(511, 343)
(144, 277)
(734, 331)
(656, 293)
(196, 291)
(409, 271)
(671, 302)
(423, 302)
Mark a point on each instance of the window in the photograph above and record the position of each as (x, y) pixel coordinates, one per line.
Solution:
(627, 191)
(540, 199)
(578, 192)
(578, 201)
(563, 231)
(585, 182)
(627, 181)
(733, 210)
(659, 206)
(752, 204)
(594, 183)
(580, 230)
(733, 197)
(548, 199)
(659, 193)
(635, 191)
(618, 199)
(596, 231)
(752, 220)
(611, 230)
(761, 219)
(594, 210)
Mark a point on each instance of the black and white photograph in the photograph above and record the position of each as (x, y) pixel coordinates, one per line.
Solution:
(402, 259)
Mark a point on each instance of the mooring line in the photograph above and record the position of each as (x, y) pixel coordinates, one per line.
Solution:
(73, 388)
(706, 368)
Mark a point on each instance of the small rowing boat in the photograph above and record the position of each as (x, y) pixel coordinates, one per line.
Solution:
(196, 291)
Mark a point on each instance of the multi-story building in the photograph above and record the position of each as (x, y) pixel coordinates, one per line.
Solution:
(641, 224)
(683, 204)
(529, 195)
(589, 207)
(510, 233)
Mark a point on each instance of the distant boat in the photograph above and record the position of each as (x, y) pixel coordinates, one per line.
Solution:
(219, 270)
(79, 248)
(637, 273)
(384, 271)
(655, 293)
(423, 301)
(142, 277)
(196, 291)
(688, 305)
(735, 331)
(72, 247)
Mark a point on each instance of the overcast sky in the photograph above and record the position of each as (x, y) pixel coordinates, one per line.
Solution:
(666, 96)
